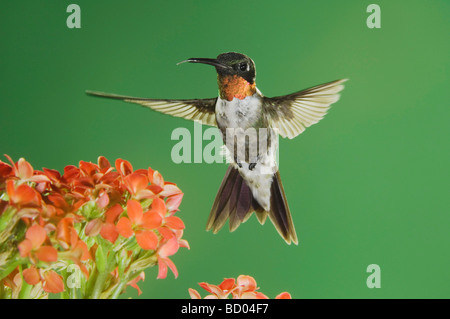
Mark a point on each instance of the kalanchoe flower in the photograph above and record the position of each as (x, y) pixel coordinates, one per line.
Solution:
(141, 225)
(114, 221)
(33, 247)
(22, 195)
(51, 281)
(242, 288)
(23, 171)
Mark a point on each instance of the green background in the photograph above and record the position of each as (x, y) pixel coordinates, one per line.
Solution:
(368, 185)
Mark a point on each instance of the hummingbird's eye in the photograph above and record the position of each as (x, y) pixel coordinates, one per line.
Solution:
(243, 67)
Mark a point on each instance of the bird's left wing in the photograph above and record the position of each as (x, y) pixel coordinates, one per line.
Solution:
(292, 114)
(202, 110)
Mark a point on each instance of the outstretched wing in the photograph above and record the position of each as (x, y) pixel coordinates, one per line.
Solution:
(292, 114)
(202, 110)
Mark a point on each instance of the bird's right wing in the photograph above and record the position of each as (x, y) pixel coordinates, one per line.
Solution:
(202, 110)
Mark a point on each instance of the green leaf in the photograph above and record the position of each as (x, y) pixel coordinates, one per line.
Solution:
(100, 259)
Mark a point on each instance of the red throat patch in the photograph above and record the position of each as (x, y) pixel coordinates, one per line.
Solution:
(234, 86)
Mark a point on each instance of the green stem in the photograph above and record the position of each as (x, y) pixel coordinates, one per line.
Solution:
(2, 291)
(119, 289)
(73, 293)
(26, 288)
(90, 283)
(99, 284)
(103, 276)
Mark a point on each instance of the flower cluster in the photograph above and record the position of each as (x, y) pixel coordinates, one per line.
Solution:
(244, 287)
(106, 224)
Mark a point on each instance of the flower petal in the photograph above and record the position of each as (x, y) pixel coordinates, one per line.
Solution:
(246, 283)
(151, 220)
(133, 283)
(5, 170)
(173, 202)
(155, 178)
(167, 233)
(25, 170)
(136, 182)
(215, 290)
(112, 213)
(47, 254)
(159, 206)
(171, 266)
(174, 222)
(93, 227)
(169, 248)
(81, 245)
(147, 240)
(31, 276)
(53, 282)
(134, 211)
(228, 284)
(103, 200)
(111, 232)
(284, 295)
(169, 190)
(37, 235)
(63, 231)
(103, 163)
(124, 227)
(25, 247)
(39, 178)
(23, 195)
(194, 294)
(260, 295)
(123, 167)
(162, 269)
(248, 295)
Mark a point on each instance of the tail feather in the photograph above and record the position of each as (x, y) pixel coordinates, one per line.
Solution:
(279, 211)
(235, 201)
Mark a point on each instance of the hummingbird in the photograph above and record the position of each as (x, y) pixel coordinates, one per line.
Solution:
(252, 182)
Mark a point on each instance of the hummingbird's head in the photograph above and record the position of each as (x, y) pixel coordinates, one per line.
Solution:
(236, 74)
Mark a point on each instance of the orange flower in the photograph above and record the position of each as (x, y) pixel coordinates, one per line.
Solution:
(246, 289)
(106, 228)
(243, 288)
(164, 189)
(75, 249)
(133, 283)
(219, 292)
(109, 230)
(24, 172)
(32, 246)
(137, 185)
(90, 197)
(284, 295)
(168, 249)
(22, 195)
(51, 281)
(141, 225)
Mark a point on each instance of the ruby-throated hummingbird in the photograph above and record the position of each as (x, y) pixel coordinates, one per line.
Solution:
(252, 182)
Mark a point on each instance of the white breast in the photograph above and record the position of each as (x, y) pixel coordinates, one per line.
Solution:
(244, 114)
(238, 113)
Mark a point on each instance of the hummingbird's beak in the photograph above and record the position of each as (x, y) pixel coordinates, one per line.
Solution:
(213, 62)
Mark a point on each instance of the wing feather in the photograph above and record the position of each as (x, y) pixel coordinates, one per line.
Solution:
(194, 109)
(292, 114)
